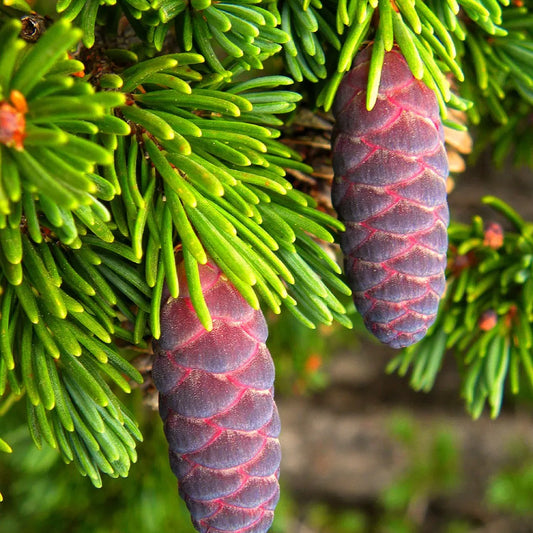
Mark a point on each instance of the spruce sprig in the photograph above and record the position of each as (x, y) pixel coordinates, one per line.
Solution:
(500, 66)
(425, 39)
(309, 26)
(247, 33)
(58, 312)
(486, 315)
(222, 174)
(106, 174)
(49, 168)
(102, 186)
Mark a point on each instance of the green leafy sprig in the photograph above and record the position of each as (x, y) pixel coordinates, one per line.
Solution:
(53, 171)
(87, 12)
(222, 174)
(247, 33)
(309, 26)
(498, 67)
(58, 313)
(425, 39)
(486, 315)
(165, 155)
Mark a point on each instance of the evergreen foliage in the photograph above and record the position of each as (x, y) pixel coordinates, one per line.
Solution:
(130, 128)
(485, 315)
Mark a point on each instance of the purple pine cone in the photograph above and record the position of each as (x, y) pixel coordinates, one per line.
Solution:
(390, 169)
(216, 401)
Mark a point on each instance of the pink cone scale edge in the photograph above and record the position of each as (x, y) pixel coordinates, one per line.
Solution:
(217, 405)
(389, 189)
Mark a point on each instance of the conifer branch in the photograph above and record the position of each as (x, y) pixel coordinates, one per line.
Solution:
(485, 317)
(92, 214)
(114, 159)
(223, 178)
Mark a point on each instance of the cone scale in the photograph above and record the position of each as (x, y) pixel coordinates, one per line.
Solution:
(389, 189)
(216, 402)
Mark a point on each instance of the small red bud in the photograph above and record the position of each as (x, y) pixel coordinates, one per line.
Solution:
(493, 236)
(460, 262)
(12, 120)
(488, 320)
